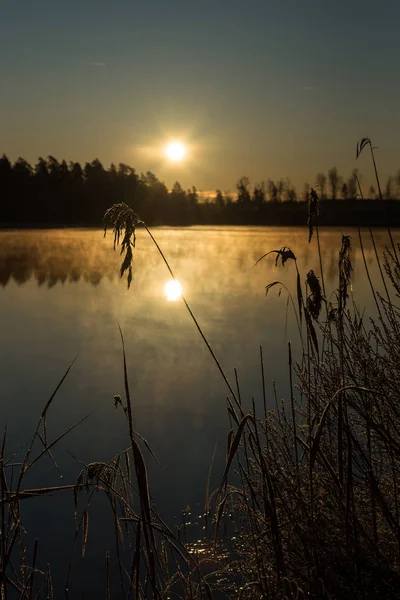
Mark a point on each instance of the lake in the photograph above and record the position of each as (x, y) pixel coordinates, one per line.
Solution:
(61, 297)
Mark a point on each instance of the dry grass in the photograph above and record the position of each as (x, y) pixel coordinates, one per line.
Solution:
(314, 512)
(318, 513)
(317, 509)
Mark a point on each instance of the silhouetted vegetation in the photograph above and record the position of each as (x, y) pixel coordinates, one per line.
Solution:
(60, 193)
(313, 508)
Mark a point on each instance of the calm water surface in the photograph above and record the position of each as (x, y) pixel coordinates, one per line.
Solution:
(61, 296)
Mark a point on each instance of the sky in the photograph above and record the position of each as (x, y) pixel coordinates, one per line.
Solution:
(262, 88)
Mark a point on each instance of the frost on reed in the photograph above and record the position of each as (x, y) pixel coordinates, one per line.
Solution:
(316, 511)
(123, 221)
(313, 511)
(317, 514)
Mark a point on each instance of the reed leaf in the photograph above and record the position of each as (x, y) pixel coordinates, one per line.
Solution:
(284, 254)
(85, 531)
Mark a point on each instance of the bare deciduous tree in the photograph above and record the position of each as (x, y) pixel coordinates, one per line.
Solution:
(321, 182)
(334, 181)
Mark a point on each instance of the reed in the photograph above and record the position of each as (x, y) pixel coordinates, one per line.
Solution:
(316, 511)
(311, 495)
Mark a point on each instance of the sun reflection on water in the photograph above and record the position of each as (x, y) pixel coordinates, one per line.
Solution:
(173, 290)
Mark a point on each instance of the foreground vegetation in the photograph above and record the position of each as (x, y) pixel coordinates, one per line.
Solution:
(308, 505)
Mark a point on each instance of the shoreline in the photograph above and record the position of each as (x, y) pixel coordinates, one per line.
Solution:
(351, 213)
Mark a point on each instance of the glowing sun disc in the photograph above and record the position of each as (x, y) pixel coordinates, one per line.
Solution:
(173, 290)
(175, 151)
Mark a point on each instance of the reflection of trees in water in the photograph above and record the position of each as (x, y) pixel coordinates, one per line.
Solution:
(70, 256)
(50, 259)
(330, 261)
(307, 253)
(17, 266)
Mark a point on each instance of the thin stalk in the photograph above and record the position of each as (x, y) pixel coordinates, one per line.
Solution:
(320, 261)
(359, 187)
(393, 246)
(381, 197)
(372, 494)
(239, 396)
(33, 569)
(3, 484)
(379, 265)
(341, 335)
(396, 500)
(310, 438)
(49, 584)
(349, 489)
(367, 272)
(323, 289)
(278, 412)
(293, 411)
(108, 592)
(376, 171)
(271, 510)
(263, 384)
(77, 529)
(251, 514)
(195, 321)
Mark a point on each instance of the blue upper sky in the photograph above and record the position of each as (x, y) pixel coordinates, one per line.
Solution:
(269, 88)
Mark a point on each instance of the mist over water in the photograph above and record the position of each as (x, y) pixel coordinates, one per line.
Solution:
(61, 296)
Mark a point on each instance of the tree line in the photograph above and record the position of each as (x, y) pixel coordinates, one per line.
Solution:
(61, 193)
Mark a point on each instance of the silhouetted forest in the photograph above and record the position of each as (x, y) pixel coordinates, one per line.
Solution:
(54, 193)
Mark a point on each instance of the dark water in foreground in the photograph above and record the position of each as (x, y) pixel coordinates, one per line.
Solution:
(61, 295)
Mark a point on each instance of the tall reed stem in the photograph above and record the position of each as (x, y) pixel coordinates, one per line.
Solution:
(376, 171)
(195, 321)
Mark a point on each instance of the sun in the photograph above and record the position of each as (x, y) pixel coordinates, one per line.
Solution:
(176, 151)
